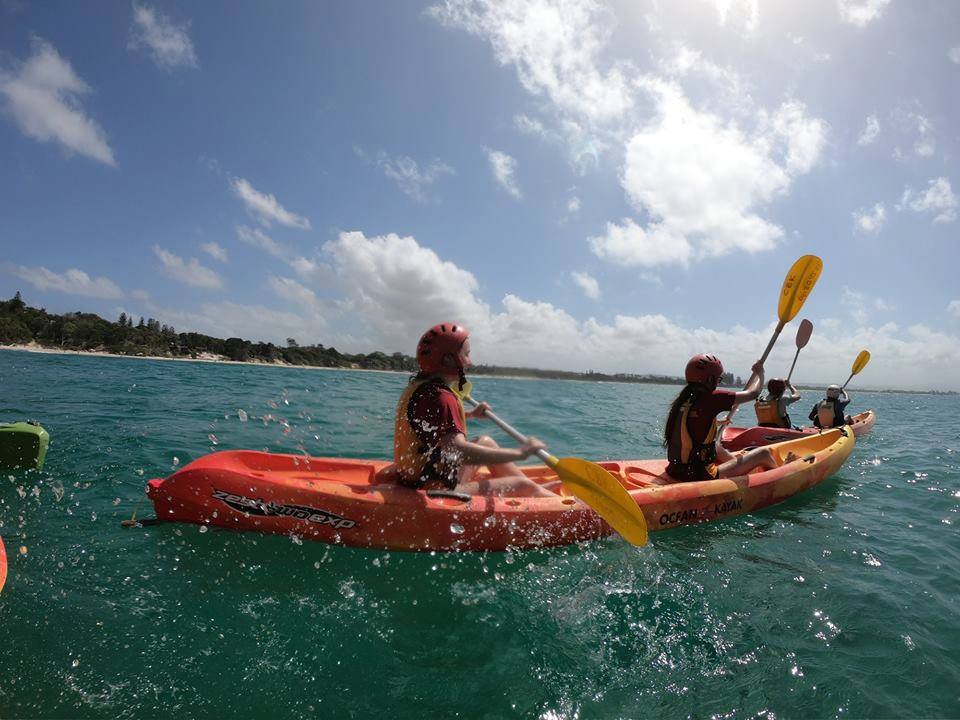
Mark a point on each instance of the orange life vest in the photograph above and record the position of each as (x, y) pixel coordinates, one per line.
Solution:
(694, 460)
(768, 413)
(416, 460)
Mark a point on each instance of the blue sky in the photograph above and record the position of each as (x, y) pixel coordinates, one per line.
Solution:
(586, 185)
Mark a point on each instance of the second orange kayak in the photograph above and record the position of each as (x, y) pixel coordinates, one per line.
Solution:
(740, 438)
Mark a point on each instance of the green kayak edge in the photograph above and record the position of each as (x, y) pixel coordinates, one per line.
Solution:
(23, 446)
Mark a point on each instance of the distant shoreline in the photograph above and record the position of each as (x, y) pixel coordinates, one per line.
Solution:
(211, 358)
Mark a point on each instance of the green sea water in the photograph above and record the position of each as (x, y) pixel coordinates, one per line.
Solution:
(842, 602)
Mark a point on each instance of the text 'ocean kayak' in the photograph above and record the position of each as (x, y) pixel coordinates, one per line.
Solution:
(343, 502)
(738, 438)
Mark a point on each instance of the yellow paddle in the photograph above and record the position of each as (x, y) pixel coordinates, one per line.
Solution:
(859, 364)
(803, 337)
(592, 484)
(796, 288)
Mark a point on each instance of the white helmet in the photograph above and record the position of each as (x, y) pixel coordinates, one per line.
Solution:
(833, 391)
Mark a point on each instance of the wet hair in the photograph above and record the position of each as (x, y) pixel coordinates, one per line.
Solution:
(691, 391)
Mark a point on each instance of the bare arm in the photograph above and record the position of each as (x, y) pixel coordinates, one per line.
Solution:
(752, 391)
(473, 453)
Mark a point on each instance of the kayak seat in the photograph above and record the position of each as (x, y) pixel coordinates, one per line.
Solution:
(641, 477)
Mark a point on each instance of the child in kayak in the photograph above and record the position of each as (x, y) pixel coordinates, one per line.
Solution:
(831, 411)
(772, 410)
(430, 448)
(692, 429)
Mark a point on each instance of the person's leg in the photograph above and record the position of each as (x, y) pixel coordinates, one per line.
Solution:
(506, 486)
(503, 469)
(743, 463)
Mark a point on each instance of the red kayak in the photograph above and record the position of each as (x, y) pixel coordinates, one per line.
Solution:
(346, 502)
(738, 438)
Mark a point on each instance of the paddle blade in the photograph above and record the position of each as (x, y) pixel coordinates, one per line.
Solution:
(797, 286)
(803, 333)
(601, 491)
(861, 362)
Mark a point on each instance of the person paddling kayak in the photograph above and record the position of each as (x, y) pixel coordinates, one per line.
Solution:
(691, 429)
(431, 449)
(772, 410)
(831, 412)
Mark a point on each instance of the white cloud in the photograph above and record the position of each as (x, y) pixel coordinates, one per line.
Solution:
(870, 131)
(396, 288)
(954, 308)
(260, 240)
(705, 172)
(703, 179)
(141, 295)
(587, 283)
(72, 282)
(861, 12)
(399, 288)
(554, 46)
(938, 198)
(573, 205)
(301, 296)
(862, 306)
(252, 322)
(216, 251)
(954, 55)
(870, 220)
(630, 245)
(743, 12)
(169, 44)
(503, 168)
(802, 137)
(924, 146)
(415, 181)
(265, 207)
(44, 97)
(189, 272)
(255, 237)
(531, 126)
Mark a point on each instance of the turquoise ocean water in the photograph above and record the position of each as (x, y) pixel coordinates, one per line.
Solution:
(842, 602)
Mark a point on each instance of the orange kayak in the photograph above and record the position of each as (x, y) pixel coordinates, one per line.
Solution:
(3, 564)
(345, 502)
(739, 438)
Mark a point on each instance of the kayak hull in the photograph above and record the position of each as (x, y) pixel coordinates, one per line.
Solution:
(23, 446)
(739, 438)
(3, 565)
(341, 501)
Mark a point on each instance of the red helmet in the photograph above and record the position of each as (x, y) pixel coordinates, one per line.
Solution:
(704, 369)
(776, 386)
(438, 342)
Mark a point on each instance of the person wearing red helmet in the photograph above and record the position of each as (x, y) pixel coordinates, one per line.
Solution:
(772, 410)
(691, 429)
(431, 448)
